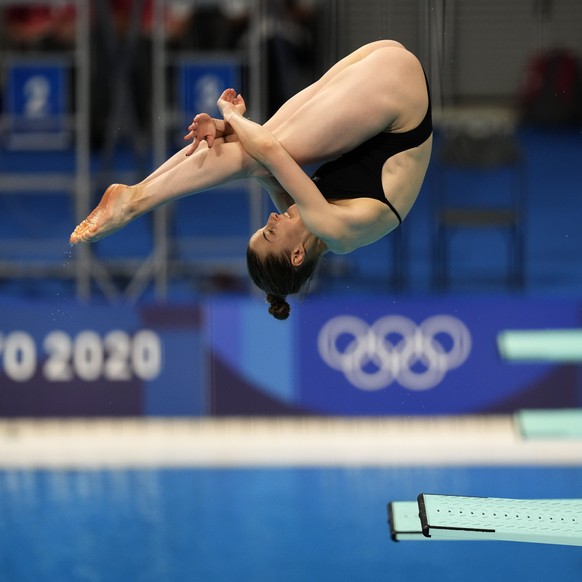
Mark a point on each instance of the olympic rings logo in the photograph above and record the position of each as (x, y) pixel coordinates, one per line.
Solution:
(394, 349)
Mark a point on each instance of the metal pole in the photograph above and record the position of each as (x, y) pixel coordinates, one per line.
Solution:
(160, 146)
(82, 145)
(257, 68)
(331, 47)
(437, 36)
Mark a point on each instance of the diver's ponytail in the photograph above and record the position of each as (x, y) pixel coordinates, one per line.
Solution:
(279, 308)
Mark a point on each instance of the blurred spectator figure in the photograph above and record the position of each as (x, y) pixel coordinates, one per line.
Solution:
(122, 38)
(551, 93)
(121, 47)
(39, 27)
(286, 31)
(210, 29)
(178, 16)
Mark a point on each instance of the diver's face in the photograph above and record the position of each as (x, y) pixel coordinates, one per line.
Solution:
(281, 234)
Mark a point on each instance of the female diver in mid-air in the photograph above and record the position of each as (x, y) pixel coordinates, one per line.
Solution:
(370, 114)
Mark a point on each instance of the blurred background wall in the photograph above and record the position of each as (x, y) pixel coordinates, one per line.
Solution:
(470, 312)
(100, 92)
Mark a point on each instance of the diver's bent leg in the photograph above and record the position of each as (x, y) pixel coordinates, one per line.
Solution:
(360, 101)
(295, 103)
(178, 158)
(170, 163)
(205, 169)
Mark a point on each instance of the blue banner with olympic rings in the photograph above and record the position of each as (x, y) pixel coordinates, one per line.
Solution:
(384, 357)
(438, 356)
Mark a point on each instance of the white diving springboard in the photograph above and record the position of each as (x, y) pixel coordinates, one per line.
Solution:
(450, 517)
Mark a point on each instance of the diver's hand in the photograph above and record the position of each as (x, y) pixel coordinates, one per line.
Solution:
(202, 128)
(230, 103)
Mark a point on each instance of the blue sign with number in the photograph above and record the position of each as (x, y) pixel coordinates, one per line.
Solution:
(201, 82)
(37, 103)
(37, 91)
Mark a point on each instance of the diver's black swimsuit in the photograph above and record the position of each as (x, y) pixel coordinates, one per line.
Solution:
(360, 170)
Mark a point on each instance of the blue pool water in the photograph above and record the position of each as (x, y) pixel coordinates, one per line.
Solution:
(284, 524)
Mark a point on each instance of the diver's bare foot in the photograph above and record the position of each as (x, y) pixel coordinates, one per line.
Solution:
(112, 213)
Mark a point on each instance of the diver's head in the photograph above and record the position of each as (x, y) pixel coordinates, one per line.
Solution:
(282, 257)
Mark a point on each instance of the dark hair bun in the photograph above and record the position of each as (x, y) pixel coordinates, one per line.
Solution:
(279, 307)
